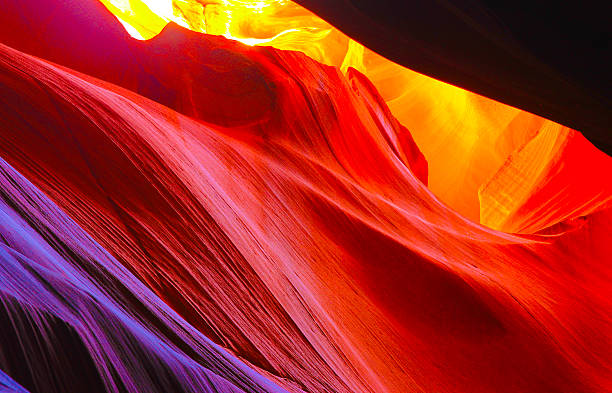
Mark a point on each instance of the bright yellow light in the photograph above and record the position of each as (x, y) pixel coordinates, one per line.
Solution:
(465, 137)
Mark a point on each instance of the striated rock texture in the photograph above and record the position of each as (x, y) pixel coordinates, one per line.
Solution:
(75, 320)
(555, 178)
(465, 138)
(237, 219)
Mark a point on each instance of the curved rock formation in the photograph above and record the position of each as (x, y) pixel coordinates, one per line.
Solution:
(269, 229)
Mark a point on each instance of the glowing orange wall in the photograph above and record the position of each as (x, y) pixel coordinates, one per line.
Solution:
(466, 138)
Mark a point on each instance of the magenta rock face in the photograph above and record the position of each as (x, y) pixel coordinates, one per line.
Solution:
(71, 311)
(189, 214)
